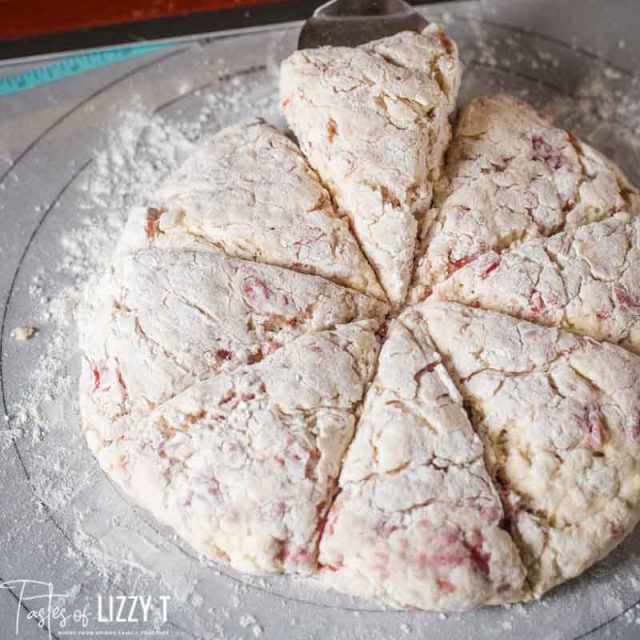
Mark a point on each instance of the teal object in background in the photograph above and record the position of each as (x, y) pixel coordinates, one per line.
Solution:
(73, 65)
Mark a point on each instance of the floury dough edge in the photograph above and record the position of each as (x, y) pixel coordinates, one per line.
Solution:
(560, 418)
(417, 521)
(166, 399)
(232, 383)
(241, 467)
(511, 176)
(373, 121)
(586, 279)
(162, 318)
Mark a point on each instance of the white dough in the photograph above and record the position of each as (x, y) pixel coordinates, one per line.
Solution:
(242, 467)
(512, 176)
(373, 121)
(586, 279)
(417, 520)
(250, 192)
(559, 416)
(158, 320)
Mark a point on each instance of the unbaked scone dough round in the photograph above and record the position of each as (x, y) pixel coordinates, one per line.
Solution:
(245, 381)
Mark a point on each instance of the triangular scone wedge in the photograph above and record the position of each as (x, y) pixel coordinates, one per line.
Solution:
(559, 417)
(249, 192)
(586, 280)
(373, 121)
(243, 465)
(510, 176)
(160, 319)
(417, 520)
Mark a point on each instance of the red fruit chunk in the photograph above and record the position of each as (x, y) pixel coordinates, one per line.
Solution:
(255, 290)
(153, 216)
(543, 150)
(445, 585)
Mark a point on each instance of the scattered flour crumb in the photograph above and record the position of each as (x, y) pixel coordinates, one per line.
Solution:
(246, 620)
(24, 332)
(196, 600)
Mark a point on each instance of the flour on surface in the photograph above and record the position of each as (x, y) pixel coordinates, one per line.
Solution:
(23, 333)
